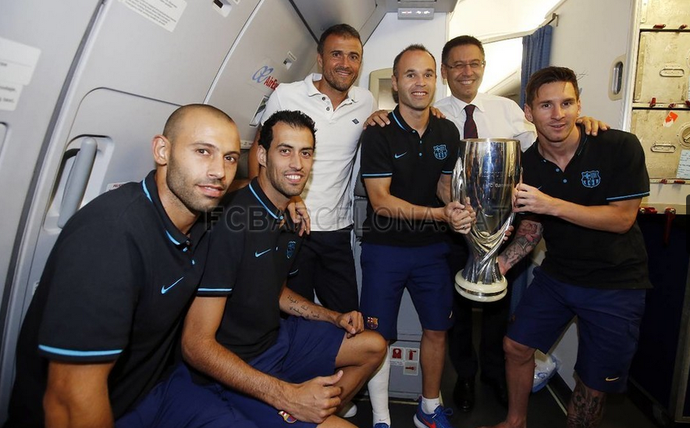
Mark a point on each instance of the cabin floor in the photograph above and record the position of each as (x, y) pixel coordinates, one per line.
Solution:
(545, 408)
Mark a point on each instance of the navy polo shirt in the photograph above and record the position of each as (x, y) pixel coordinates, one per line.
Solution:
(605, 168)
(115, 287)
(414, 164)
(253, 247)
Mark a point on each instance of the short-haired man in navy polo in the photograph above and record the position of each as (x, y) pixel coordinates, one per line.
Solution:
(583, 192)
(270, 370)
(407, 169)
(106, 317)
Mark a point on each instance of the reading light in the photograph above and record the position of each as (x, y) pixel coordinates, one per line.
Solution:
(415, 13)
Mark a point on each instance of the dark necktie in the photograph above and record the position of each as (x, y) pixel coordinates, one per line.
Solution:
(470, 130)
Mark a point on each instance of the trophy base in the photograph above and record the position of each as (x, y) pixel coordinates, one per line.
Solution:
(480, 292)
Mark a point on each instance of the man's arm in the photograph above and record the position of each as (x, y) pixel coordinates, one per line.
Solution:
(387, 205)
(311, 401)
(616, 217)
(380, 117)
(526, 238)
(77, 395)
(294, 304)
(443, 188)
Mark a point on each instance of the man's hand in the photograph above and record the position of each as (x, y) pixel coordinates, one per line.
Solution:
(460, 217)
(436, 112)
(314, 400)
(379, 117)
(299, 215)
(502, 267)
(351, 322)
(509, 232)
(592, 126)
(531, 199)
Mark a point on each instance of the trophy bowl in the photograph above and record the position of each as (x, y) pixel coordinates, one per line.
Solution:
(487, 174)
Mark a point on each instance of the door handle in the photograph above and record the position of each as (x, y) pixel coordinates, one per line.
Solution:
(77, 180)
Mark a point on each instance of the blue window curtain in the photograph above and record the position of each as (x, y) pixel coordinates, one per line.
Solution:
(536, 54)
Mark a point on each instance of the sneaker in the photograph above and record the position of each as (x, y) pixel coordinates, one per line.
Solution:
(348, 411)
(436, 420)
(382, 425)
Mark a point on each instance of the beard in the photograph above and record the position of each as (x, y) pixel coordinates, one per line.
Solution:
(286, 189)
(341, 84)
(183, 187)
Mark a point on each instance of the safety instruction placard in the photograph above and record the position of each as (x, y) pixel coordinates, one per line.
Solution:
(165, 13)
(17, 64)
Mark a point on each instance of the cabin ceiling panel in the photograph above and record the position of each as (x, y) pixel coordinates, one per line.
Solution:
(364, 15)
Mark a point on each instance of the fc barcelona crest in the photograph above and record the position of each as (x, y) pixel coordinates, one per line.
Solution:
(591, 179)
(291, 249)
(287, 417)
(440, 152)
(372, 323)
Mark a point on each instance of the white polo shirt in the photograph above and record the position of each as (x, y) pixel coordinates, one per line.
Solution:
(496, 117)
(328, 193)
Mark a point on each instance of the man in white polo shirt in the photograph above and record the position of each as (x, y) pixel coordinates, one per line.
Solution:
(325, 265)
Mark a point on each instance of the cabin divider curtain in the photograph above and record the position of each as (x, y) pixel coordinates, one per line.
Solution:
(536, 54)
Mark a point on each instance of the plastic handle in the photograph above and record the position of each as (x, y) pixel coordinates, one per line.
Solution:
(77, 180)
(617, 78)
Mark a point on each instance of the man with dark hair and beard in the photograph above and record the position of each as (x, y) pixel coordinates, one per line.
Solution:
(104, 321)
(325, 266)
(269, 370)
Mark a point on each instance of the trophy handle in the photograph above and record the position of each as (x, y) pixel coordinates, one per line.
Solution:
(458, 182)
(493, 243)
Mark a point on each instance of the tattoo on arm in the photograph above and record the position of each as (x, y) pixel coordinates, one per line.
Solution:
(300, 307)
(526, 238)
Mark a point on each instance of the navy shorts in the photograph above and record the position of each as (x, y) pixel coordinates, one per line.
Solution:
(608, 327)
(388, 270)
(178, 402)
(303, 350)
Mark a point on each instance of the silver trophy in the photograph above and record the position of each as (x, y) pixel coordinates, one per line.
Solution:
(487, 174)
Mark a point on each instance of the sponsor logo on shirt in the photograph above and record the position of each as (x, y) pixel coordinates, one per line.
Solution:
(258, 254)
(165, 289)
(399, 155)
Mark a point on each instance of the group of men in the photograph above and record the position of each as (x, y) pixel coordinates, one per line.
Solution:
(147, 317)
